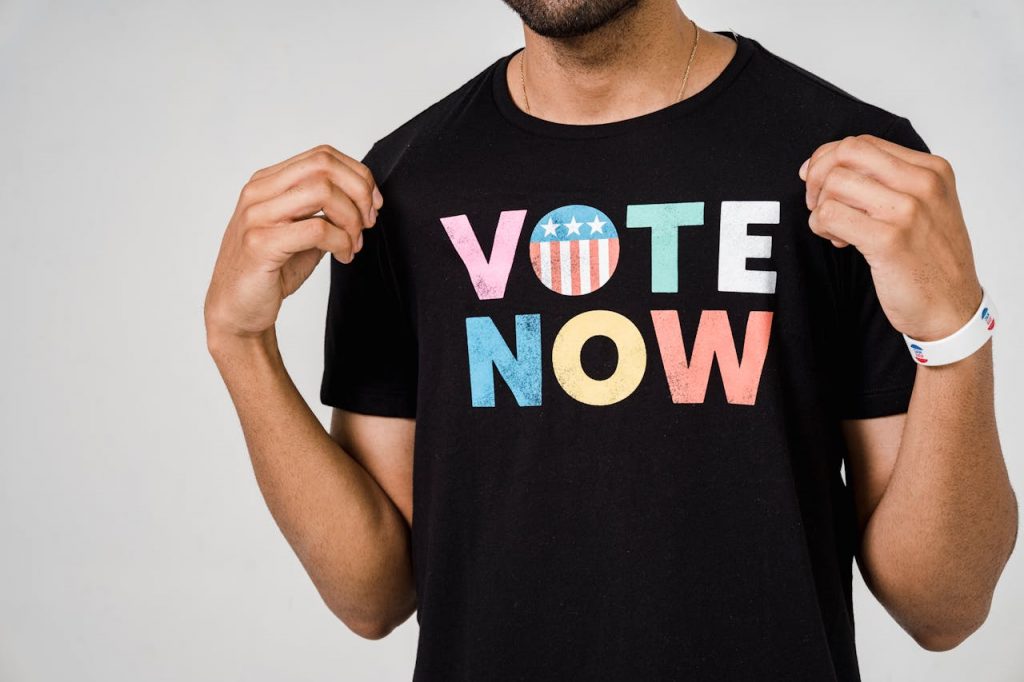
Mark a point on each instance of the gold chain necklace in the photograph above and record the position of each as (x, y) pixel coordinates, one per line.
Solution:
(682, 88)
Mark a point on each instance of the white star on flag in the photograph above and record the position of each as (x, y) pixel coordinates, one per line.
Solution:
(574, 227)
(595, 225)
(549, 227)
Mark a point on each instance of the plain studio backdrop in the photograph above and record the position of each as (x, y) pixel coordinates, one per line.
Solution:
(135, 543)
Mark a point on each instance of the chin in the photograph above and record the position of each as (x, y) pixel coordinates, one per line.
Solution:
(568, 18)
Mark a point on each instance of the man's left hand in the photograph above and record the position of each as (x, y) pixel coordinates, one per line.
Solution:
(899, 208)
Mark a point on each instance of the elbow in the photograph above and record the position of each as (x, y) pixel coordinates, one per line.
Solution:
(949, 630)
(372, 623)
(373, 629)
(366, 625)
(948, 633)
(941, 640)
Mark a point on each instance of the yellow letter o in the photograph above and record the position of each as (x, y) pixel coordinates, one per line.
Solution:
(629, 372)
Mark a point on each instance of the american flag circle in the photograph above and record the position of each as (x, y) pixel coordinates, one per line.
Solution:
(574, 249)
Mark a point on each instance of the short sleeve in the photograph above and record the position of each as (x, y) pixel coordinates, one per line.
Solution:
(369, 344)
(879, 375)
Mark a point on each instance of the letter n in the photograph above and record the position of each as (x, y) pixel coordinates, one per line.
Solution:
(488, 350)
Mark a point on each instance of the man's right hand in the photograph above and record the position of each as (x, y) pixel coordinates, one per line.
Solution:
(277, 235)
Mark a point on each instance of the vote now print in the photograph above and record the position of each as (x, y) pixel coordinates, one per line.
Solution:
(574, 251)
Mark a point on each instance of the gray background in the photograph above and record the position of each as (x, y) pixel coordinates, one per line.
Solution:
(134, 544)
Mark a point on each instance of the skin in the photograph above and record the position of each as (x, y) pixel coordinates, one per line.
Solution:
(342, 500)
(938, 517)
(937, 514)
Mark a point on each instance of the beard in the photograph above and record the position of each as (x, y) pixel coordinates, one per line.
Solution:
(568, 18)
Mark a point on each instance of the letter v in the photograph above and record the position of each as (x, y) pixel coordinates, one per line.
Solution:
(489, 276)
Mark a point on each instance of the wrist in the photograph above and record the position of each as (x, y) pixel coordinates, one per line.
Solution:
(958, 312)
(961, 342)
(223, 344)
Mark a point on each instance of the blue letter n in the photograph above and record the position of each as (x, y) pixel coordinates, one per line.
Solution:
(521, 372)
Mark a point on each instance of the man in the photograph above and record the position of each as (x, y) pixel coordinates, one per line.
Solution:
(607, 320)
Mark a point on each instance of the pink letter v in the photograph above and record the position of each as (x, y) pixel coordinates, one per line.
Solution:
(489, 276)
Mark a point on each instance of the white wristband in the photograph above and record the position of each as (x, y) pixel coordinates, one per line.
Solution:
(959, 344)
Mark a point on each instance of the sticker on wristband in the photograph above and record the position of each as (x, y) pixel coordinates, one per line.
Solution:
(961, 343)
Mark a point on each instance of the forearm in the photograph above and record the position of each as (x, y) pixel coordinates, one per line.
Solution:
(935, 545)
(348, 535)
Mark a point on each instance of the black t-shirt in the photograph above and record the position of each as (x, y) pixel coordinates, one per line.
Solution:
(628, 357)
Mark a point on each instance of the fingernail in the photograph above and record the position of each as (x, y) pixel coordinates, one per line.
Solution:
(803, 169)
(359, 242)
(809, 201)
(378, 199)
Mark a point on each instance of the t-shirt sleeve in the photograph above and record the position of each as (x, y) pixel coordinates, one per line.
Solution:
(369, 344)
(880, 372)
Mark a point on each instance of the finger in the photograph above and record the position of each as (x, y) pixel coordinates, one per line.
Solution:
(867, 159)
(358, 186)
(263, 172)
(277, 244)
(357, 165)
(918, 158)
(838, 222)
(360, 169)
(304, 201)
(936, 174)
(864, 193)
(815, 155)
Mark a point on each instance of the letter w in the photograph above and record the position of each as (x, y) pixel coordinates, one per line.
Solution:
(688, 381)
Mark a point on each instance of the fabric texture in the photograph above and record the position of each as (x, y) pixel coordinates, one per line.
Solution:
(628, 358)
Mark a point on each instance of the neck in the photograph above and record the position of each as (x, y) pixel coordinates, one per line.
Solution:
(632, 65)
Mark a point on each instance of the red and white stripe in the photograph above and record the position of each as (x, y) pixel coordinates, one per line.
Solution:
(574, 267)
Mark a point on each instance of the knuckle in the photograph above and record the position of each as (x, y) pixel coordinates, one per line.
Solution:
(365, 172)
(254, 239)
(830, 180)
(247, 215)
(322, 189)
(325, 148)
(365, 198)
(907, 208)
(816, 222)
(248, 193)
(318, 227)
(944, 168)
(816, 172)
(344, 248)
(321, 161)
(932, 184)
(847, 147)
(828, 210)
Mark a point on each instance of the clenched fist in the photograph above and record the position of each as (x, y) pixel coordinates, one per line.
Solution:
(288, 215)
(899, 207)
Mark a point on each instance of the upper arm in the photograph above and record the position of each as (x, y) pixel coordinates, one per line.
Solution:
(384, 447)
(872, 447)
